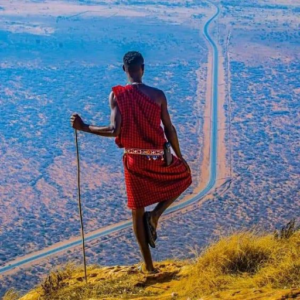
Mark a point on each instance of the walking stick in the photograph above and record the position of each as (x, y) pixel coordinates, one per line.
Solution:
(79, 206)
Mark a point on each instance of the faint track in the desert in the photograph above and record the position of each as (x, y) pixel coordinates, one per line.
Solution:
(63, 246)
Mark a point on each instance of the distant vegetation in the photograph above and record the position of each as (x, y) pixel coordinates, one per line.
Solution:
(253, 4)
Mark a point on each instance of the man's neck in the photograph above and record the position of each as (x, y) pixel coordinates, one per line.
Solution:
(131, 81)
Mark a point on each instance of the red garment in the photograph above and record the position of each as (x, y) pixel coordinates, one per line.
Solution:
(147, 181)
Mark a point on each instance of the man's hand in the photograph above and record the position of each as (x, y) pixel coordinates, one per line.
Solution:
(76, 122)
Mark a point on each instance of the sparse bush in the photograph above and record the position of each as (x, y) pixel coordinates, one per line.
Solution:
(52, 283)
(55, 280)
(286, 231)
(11, 295)
(248, 260)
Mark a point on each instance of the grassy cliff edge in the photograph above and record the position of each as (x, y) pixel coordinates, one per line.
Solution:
(245, 265)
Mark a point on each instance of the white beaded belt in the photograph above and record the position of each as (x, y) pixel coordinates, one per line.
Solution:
(150, 153)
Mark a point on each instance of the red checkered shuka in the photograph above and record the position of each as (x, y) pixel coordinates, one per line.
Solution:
(147, 181)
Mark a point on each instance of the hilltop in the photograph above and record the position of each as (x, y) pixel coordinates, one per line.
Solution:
(245, 265)
(60, 57)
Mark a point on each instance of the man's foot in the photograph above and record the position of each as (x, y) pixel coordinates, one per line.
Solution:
(150, 229)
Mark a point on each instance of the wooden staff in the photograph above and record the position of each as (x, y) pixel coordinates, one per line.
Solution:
(79, 206)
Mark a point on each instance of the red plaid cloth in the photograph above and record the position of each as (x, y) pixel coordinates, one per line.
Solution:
(147, 181)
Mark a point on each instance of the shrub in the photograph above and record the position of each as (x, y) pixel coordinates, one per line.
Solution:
(247, 260)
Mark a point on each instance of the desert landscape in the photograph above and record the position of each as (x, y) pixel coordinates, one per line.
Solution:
(61, 57)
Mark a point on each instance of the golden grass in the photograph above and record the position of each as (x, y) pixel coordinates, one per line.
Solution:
(11, 295)
(246, 260)
(238, 265)
(102, 282)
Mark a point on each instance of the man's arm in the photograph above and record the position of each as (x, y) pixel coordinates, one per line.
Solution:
(170, 130)
(111, 130)
(168, 126)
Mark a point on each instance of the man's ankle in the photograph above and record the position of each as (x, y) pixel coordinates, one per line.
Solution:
(146, 268)
(149, 269)
(155, 216)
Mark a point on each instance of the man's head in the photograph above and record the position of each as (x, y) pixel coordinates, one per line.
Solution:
(133, 65)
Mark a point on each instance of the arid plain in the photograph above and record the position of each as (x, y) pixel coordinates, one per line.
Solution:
(63, 57)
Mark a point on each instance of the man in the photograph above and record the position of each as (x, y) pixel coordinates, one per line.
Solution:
(136, 114)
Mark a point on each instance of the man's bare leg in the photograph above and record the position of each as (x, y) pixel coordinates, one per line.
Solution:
(139, 230)
(159, 210)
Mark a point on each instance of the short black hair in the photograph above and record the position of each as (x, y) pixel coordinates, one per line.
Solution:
(133, 58)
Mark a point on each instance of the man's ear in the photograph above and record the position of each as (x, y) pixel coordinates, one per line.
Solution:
(123, 68)
(143, 67)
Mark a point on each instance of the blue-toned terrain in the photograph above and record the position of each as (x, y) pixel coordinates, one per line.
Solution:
(66, 65)
(63, 58)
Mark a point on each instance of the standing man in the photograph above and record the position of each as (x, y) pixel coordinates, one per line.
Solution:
(136, 114)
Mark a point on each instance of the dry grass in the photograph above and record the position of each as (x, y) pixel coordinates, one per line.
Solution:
(68, 283)
(11, 295)
(57, 279)
(237, 264)
(246, 260)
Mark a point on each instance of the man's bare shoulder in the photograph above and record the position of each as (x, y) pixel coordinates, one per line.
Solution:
(155, 90)
(112, 99)
(157, 93)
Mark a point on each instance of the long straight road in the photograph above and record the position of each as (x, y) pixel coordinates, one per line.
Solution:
(34, 257)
